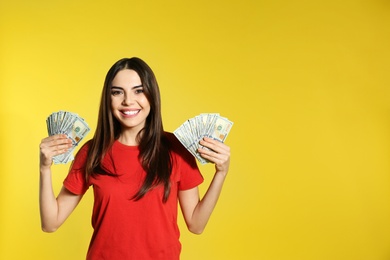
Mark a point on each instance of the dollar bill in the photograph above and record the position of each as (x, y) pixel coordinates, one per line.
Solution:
(192, 131)
(220, 129)
(70, 124)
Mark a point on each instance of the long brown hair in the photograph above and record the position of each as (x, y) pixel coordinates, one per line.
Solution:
(153, 146)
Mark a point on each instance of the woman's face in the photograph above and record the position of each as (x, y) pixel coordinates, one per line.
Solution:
(129, 104)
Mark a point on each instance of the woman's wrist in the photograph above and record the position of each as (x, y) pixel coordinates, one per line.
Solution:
(44, 169)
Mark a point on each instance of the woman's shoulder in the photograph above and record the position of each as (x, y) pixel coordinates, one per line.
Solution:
(176, 146)
(84, 148)
(169, 136)
(179, 153)
(172, 141)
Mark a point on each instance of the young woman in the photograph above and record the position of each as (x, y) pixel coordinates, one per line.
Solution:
(138, 173)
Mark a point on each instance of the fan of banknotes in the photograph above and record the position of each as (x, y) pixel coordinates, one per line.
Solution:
(204, 125)
(70, 124)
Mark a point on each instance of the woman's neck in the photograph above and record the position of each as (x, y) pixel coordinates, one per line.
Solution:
(128, 138)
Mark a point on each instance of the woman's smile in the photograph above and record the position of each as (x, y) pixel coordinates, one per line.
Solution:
(130, 113)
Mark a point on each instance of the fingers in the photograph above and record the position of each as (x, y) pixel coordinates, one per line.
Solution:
(217, 152)
(55, 144)
(52, 146)
(215, 145)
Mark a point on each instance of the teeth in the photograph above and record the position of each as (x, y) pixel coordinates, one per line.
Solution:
(133, 112)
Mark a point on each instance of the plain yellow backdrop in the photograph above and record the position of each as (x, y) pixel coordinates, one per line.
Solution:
(306, 84)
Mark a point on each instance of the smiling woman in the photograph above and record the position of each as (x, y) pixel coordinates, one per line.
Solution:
(129, 104)
(137, 170)
(305, 82)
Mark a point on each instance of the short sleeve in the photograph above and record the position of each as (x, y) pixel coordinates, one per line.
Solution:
(188, 170)
(75, 181)
(190, 176)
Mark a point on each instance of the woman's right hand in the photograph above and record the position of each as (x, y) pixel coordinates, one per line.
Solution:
(52, 146)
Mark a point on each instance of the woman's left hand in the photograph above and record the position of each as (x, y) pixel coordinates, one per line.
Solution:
(219, 154)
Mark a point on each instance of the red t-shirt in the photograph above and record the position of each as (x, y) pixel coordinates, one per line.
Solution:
(128, 229)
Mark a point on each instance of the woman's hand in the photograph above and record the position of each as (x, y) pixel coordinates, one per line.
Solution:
(52, 146)
(219, 154)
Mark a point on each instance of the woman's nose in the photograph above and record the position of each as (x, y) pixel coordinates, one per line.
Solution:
(128, 99)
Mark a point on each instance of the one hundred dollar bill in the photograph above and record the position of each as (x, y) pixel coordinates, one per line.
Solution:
(70, 124)
(192, 131)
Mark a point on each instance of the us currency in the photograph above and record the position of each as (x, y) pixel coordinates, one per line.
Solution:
(192, 131)
(70, 124)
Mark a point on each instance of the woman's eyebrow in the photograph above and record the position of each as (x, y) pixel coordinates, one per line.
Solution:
(135, 87)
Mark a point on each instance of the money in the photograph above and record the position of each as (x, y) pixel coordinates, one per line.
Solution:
(193, 130)
(70, 124)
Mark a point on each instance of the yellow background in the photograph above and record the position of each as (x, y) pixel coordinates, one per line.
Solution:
(305, 82)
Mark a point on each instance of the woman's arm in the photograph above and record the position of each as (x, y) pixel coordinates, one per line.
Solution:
(54, 211)
(197, 212)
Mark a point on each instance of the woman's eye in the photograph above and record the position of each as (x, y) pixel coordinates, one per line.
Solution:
(116, 92)
(138, 91)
